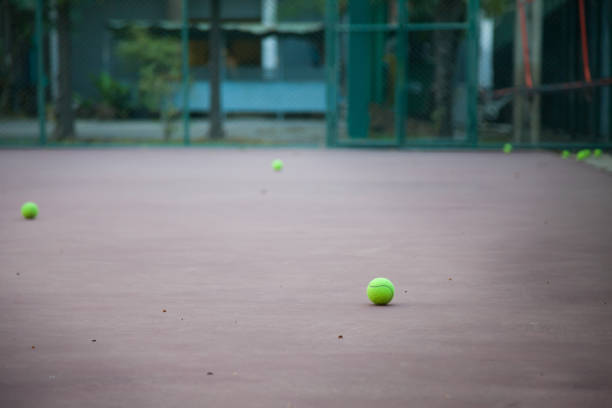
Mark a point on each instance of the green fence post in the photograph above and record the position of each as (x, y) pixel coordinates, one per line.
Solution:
(472, 72)
(40, 79)
(331, 73)
(185, 57)
(359, 71)
(400, 80)
(378, 54)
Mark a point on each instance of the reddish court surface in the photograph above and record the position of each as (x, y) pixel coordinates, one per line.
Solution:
(502, 266)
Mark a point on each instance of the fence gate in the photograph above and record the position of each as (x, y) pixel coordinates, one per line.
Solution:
(402, 72)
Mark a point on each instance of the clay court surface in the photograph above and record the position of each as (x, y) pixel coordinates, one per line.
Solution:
(502, 267)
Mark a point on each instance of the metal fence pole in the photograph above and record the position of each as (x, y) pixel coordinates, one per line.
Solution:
(185, 57)
(358, 69)
(519, 73)
(40, 79)
(400, 82)
(214, 57)
(606, 71)
(472, 71)
(537, 25)
(331, 71)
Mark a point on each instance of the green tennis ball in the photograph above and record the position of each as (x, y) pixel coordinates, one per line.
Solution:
(565, 154)
(507, 148)
(277, 165)
(380, 291)
(597, 153)
(583, 154)
(29, 210)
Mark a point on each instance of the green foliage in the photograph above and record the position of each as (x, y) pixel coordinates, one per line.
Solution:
(113, 93)
(158, 60)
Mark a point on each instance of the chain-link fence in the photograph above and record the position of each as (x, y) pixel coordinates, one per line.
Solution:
(403, 70)
(366, 85)
(532, 72)
(364, 62)
(545, 70)
(163, 71)
(18, 76)
(462, 73)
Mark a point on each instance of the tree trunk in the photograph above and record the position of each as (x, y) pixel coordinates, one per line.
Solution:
(64, 129)
(216, 127)
(446, 43)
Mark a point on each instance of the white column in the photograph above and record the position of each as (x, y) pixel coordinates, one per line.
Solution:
(485, 69)
(269, 45)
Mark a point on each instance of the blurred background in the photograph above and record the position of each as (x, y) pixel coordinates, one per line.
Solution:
(434, 73)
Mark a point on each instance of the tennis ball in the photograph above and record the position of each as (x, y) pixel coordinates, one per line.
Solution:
(380, 291)
(596, 152)
(507, 148)
(583, 154)
(565, 154)
(29, 210)
(277, 165)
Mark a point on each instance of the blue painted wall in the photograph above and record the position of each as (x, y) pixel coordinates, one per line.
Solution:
(260, 97)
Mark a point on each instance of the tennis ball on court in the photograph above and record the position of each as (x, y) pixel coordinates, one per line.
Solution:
(29, 210)
(565, 154)
(380, 291)
(596, 152)
(277, 165)
(507, 148)
(583, 154)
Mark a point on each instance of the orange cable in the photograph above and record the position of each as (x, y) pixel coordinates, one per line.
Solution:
(528, 80)
(585, 45)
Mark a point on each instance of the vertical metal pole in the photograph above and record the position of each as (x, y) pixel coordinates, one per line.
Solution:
(214, 57)
(53, 50)
(606, 54)
(331, 71)
(594, 35)
(536, 65)
(517, 103)
(571, 17)
(40, 82)
(400, 80)
(378, 53)
(185, 57)
(359, 71)
(472, 71)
